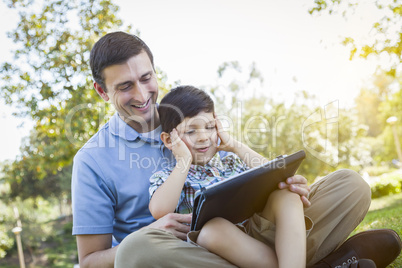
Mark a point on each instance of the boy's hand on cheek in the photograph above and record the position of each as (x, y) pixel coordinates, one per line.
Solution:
(179, 148)
(227, 142)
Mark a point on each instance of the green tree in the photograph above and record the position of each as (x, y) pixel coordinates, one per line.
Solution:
(49, 81)
(392, 106)
(384, 98)
(328, 134)
(387, 31)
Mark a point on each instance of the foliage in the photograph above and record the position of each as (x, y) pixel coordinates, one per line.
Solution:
(330, 135)
(6, 242)
(376, 103)
(386, 184)
(392, 105)
(50, 81)
(375, 171)
(57, 249)
(387, 30)
(34, 216)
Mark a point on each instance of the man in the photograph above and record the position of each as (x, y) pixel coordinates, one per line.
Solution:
(111, 178)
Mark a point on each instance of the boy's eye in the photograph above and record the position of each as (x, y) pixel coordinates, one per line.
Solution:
(189, 132)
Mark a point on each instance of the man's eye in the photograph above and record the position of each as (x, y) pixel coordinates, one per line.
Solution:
(146, 78)
(125, 88)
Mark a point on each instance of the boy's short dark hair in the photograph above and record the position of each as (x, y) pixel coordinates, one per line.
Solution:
(115, 48)
(182, 102)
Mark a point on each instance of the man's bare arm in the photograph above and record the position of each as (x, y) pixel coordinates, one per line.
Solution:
(96, 251)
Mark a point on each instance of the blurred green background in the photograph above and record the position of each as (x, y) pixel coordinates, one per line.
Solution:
(47, 81)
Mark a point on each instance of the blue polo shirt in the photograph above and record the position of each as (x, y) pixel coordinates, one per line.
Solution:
(110, 180)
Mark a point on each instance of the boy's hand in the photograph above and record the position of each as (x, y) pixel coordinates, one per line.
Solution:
(179, 148)
(298, 185)
(227, 142)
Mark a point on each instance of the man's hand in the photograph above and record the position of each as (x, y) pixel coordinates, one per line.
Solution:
(177, 224)
(298, 185)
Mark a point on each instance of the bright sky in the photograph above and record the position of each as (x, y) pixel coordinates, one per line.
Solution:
(293, 50)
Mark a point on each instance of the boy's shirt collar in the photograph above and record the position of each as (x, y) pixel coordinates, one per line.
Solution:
(215, 162)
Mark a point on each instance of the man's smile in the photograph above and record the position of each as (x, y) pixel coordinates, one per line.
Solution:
(142, 106)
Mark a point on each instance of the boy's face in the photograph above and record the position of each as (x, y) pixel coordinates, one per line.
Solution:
(200, 136)
(133, 89)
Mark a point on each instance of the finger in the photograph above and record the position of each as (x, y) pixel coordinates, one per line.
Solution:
(304, 186)
(296, 179)
(221, 147)
(182, 218)
(174, 137)
(305, 201)
(218, 124)
(222, 134)
(183, 228)
(180, 235)
(283, 185)
(302, 191)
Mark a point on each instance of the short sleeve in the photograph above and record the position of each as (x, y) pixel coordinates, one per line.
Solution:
(93, 202)
(233, 164)
(156, 180)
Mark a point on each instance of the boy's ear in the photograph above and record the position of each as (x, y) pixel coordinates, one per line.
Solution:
(165, 137)
(101, 92)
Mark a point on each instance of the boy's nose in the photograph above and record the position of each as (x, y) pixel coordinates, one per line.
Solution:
(202, 135)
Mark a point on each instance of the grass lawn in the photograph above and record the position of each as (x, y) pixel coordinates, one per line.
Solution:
(385, 212)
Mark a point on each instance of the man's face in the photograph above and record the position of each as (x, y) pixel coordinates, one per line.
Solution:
(133, 89)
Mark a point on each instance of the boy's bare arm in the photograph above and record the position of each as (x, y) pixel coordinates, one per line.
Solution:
(166, 197)
(297, 184)
(229, 144)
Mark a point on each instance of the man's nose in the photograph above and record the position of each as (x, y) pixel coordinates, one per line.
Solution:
(141, 94)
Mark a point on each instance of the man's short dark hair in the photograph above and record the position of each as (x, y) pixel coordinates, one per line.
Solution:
(115, 48)
(182, 102)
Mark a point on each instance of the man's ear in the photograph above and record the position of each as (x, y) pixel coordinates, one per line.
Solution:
(165, 137)
(101, 92)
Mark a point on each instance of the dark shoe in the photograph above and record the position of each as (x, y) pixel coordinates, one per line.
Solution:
(381, 246)
(362, 263)
(365, 263)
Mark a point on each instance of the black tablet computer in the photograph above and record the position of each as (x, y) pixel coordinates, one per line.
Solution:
(239, 197)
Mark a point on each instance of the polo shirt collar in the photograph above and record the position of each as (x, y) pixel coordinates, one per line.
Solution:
(121, 129)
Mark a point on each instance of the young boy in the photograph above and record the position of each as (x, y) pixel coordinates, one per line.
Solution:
(191, 131)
